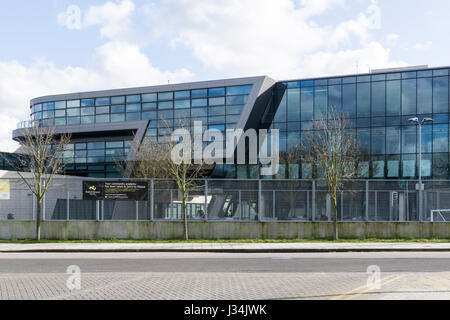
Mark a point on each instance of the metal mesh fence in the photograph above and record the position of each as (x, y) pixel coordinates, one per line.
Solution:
(235, 200)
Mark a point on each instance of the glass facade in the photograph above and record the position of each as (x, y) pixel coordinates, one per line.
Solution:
(378, 107)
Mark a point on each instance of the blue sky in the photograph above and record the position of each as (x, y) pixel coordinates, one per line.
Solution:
(47, 49)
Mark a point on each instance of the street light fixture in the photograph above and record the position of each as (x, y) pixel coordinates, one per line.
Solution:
(416, 121)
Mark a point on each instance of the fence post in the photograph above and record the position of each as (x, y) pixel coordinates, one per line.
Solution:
(68, 206)
(152, 199)
(260, 207)
(97, 210)
(313, 210)
(206, 200)
(367, 200)
(137, 210)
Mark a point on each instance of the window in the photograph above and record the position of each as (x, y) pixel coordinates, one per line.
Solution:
(424, 95)
(102, 101)
(235, 109)
(440, 94)
(102, 118)
(149, 97)
(199, 103)
(118, 100)
(202, 93)
(409, 141)
(134, 98)
(73, 104)
(378, 98)
(378, 140)
(149, 115)
(87, 111)
(216, 92)
(363, 100)
(73, 112)
(349, 100)
(409, 97)
(182, 95)
(87, 119)
(118, 117)
(182, 104)
(165, 96)
(307, 104)
(393, 98)
(440, 138)
(102, 110)
(293, 104)
(320, 102)
(118, 109)
(239, 90)
(335, 97)
(217, 111)
(87, 102)
(60, 105)
(216, 101)
(149, 106)
(165, 105)
(237, 100)
(135, 107)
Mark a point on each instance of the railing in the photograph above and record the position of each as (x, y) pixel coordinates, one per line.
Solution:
(234, 200)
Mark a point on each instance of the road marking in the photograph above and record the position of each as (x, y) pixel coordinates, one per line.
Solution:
(384, 283)
(360, 288)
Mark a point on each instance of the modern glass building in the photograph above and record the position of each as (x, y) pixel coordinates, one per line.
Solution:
(379, 105)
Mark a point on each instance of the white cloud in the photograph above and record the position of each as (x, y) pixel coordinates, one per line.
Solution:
(115, 64)
(276, 38)
(115, 18)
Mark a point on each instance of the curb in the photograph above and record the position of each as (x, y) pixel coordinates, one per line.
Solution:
(339, 250)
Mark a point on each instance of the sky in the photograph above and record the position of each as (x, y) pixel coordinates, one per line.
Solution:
(58, 46)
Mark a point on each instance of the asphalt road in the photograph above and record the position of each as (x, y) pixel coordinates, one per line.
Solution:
(226, 262)
(217, 276)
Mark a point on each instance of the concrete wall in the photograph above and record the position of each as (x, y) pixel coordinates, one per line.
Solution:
(221, 230)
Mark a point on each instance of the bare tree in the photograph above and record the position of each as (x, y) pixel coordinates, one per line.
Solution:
(154, 160)
(43, 157)
(336, 152)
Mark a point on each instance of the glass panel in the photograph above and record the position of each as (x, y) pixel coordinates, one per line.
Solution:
(216, 92)
(424, 95)
(182, 95)
(293, 104)
(118, 100)
(281, 113)
(378, 98)
(102, 119)
(87, 102)
(60, 105)
(440, 94)
(320, 102)
(102, 110)
(133, 107)
(87, 119)
(118, 109)
(165, 96)
(117, 117)
(409, 141)
(199, 103)
(237, 100)
(393, 140)
(393, 96)
(335, 97)
(349, 100)
(378, 140)
(73, 104)
(87, 111)
(165, 105)
(440, 138)
(216, 101)
(409, 97)
(73, 112)
(239, 90)
(202, 93)
(363, 100)
(149, 107)
(102, 101)
(307, 104)
(182, 104)
(149, 97)
(134, 98)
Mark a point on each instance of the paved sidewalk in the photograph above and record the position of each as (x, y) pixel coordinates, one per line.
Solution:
(226, 247)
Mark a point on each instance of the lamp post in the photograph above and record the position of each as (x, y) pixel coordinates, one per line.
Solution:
(416, 121)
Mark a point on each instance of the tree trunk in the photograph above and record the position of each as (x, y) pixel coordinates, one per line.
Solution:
(38, 220)
(336, 230)
(183, 207)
